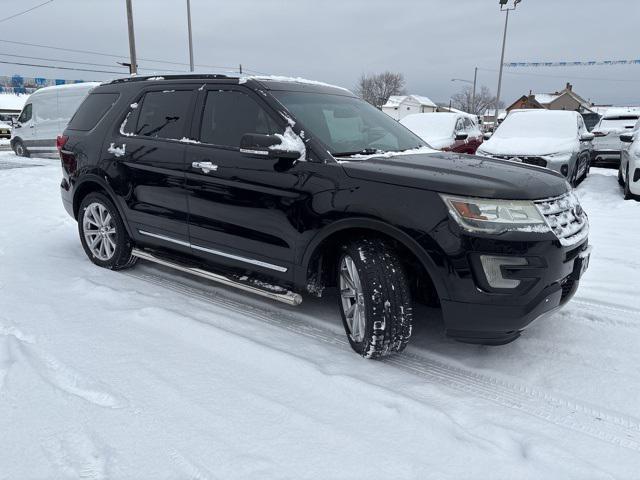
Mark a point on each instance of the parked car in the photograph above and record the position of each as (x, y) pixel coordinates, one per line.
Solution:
(607, 144)
(283, 187)
(449, 132)
(557, 140)
(45, 115)
(629, 170)
(5, 130)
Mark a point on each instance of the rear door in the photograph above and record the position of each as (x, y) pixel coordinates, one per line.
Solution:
(244, 210)
(148, 154)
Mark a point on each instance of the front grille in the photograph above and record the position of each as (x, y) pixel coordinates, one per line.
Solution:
(566, 218)
(538, 161)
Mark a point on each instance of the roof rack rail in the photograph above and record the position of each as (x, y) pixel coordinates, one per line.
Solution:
(173, 76)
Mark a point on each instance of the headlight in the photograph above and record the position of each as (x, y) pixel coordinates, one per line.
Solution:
(559, 157)
(495, 216)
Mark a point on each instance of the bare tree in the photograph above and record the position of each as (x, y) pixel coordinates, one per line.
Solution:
(464, 100)
(377, 88)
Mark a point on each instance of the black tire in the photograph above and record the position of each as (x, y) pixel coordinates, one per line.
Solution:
(620, 179)
(627, 190)
(386, 297)
(19, 149)
(121, 256)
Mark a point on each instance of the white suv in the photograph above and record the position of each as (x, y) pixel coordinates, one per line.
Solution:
(629, 172)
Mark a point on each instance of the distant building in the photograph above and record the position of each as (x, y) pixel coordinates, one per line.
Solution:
(399, 106)
(565, 99)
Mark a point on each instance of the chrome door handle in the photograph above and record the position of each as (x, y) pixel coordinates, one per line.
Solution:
(206, 167)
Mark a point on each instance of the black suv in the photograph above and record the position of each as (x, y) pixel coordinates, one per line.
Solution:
(280, 186)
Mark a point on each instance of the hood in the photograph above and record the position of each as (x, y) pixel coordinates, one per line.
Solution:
(460, 174)
(5, 125)
(526, 146)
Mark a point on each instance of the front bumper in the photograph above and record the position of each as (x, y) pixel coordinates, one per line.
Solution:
(605, 157)
(477, 313)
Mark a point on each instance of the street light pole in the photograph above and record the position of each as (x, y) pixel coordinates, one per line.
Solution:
(190, 36)
(504, 43)
(133, 67)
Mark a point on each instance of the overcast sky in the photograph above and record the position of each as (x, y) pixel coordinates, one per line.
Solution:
(429, 41)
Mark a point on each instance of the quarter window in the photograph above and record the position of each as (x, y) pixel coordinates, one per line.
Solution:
(163, 114)
(229, 115)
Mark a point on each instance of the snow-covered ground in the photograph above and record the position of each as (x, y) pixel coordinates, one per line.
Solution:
(149, 374)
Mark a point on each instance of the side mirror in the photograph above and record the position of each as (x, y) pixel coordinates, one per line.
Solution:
(487, 135)
(462, 136)
(265, 146)
(626, 137)
(587, 137)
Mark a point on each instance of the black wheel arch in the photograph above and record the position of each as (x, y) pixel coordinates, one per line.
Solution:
(335, 233)
(92, 182)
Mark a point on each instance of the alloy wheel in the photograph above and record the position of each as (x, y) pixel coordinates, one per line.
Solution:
(352, 299)
(99, 231)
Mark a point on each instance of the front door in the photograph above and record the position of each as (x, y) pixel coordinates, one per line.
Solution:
(148, 153)
(244, 210)
(25, 127)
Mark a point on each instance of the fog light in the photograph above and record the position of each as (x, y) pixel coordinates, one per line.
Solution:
(564, 169)
(493, 270)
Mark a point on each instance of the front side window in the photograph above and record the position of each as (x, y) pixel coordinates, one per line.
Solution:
(460, 126)
(163, 114)
(347, 125)
(25, 116)
(229, 115)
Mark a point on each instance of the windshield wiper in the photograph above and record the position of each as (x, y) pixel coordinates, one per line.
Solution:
(366, 151)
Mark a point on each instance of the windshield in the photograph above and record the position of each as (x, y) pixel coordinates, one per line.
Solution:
(538, 124)
(348, 125)
(431, 125)
(618, 123)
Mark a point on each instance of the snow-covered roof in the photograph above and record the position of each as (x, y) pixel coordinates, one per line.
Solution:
(545, 98)
(278, 78)
(611, 112)
(12, 101)
(69, 86)
(395, 100)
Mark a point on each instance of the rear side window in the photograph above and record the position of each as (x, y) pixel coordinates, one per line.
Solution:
(92, 110)
(163, 114)
(228, 115)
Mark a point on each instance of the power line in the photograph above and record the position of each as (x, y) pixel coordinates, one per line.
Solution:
(111, 55)
(80, 63)
(60, 67)
(25, 11)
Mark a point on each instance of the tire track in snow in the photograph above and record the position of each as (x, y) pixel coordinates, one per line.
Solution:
(14, 344)
(595, 421)
(76, 455)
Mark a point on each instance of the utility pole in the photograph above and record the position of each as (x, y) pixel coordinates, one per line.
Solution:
(503, 7)
(190, 36)
(473, 95)
(133, 64)
(240, 69)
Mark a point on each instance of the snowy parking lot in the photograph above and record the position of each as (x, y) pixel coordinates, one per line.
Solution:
(109, 374)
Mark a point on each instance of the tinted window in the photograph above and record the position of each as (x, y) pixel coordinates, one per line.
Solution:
(229, 115)
(25, 116)
(91, 110)
(164, 114)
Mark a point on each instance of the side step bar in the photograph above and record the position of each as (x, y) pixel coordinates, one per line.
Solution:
(288, 297)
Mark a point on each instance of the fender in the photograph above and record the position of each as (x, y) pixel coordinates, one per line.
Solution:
(97, 179)
(380, 226)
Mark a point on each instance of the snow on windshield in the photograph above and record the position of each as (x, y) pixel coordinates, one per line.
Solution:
(430, 126)
(536, 124)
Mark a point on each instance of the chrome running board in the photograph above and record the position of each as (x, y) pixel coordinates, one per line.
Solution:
(288, 297)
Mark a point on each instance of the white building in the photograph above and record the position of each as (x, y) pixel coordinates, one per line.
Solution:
(399, 106)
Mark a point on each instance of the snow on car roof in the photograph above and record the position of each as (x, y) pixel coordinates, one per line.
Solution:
(68, 86)
(12, 101)
(543, 123)
(278, 78)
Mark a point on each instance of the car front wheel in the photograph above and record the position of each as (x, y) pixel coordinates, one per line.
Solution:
(20, 150)
(375, 301)
(102, 232)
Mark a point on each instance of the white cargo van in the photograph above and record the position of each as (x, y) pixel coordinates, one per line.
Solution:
(45, 115)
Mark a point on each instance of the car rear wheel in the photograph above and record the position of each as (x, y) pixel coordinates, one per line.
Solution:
(20, 150)
(375, 301)
(627, 189)
(103, 235)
